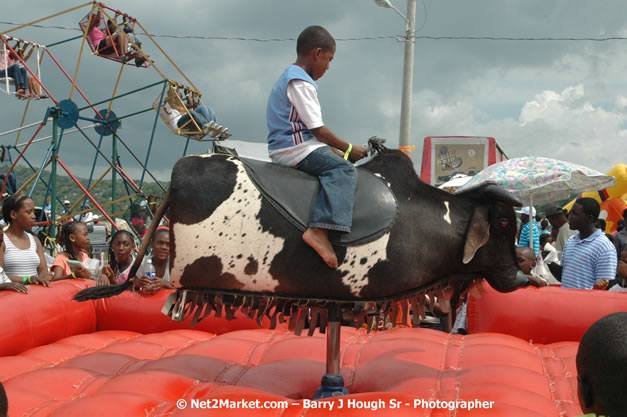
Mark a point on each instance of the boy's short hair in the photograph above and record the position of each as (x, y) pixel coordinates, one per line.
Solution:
(602, 366)
(590, 206)
(544, 237)
(314, 37)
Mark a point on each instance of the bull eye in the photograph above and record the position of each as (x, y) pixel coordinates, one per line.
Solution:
(504, 223)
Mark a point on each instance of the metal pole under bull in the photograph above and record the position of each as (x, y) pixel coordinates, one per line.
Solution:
(332, 384)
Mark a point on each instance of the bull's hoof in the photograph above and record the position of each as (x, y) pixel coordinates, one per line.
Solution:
(332, 385)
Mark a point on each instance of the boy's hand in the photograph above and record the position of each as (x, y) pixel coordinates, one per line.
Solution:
(601, 284)
(357, 153)
(41, 280)
(82, 272)
(14, 286)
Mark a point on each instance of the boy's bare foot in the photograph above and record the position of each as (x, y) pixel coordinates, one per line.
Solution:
(318, 239)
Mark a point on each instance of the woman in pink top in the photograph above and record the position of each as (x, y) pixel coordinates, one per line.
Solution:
(107, 43)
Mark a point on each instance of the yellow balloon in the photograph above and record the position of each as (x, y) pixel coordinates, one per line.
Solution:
(616, 197)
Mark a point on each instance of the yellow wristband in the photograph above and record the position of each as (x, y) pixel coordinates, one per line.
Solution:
(348, 151)
(74, 275)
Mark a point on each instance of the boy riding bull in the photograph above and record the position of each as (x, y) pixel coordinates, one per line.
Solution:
(298, 138)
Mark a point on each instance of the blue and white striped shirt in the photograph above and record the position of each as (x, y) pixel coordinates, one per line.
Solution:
(586, 261)
(524, 237)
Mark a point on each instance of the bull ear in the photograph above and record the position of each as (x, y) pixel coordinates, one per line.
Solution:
(494, 192)
(478, 233)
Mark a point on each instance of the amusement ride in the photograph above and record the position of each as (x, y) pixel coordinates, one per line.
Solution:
(115, 36)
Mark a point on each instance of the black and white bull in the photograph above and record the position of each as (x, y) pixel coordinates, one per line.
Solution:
(226, 236)
(236, 247)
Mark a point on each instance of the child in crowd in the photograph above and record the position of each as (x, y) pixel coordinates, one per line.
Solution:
(74, 238)
(120, 259)
(299, 138)
(160, 251)
(548, 251)
(527, 263)
(602, 367)
(618, 284)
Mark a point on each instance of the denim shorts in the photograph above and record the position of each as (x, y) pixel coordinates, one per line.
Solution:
(333, 208)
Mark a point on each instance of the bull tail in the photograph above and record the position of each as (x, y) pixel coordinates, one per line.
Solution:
(107, 291)
(102, 291)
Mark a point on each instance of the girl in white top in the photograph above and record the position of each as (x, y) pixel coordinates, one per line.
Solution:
(22, 255)
(5, 282)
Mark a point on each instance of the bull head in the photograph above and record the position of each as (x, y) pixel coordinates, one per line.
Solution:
(478, 235)
(479, 230)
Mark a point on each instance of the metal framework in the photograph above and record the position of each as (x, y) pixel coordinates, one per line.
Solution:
(65, 115)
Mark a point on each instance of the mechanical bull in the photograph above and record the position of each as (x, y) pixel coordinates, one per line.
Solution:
(236, 242)
(236, 245)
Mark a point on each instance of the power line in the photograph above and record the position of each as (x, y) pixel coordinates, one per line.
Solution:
(363, 38)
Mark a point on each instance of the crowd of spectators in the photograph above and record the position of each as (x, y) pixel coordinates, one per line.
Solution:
(574, 251)
(23, 263)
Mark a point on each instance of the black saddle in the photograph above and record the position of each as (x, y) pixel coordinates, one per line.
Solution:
(293, 193)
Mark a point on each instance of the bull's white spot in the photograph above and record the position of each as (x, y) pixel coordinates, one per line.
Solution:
(232, 233)
(359, 260)
(447, 215)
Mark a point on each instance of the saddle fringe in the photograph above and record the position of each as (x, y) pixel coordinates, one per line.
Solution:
(300, 313)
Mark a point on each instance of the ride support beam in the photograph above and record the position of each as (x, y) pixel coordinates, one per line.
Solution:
(53, 176)
(90, 187)
(32, 178)
(167, 57)
(45, 18)
(114, 166)
(77, 89)
(107, 204)
(139, 162)
(115, 90)
(50, 45)
(152, 135)
(46, 161)
(21, 154)
(121, 95)
(80, 53)
(84, 190)
(19, 131)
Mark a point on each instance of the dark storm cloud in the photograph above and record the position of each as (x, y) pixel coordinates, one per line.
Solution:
(461, 87)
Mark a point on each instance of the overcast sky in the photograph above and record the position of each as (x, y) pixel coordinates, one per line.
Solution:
(560, 99)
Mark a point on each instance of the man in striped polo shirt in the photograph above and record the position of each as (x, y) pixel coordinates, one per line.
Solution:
(588, 255)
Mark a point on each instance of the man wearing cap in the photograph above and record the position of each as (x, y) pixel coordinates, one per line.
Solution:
(588, 255)
(84, 217)
(555, 216)
(66, 206)
(524, 230)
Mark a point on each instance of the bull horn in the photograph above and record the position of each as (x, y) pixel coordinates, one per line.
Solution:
(95, 293)
(494, 192)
